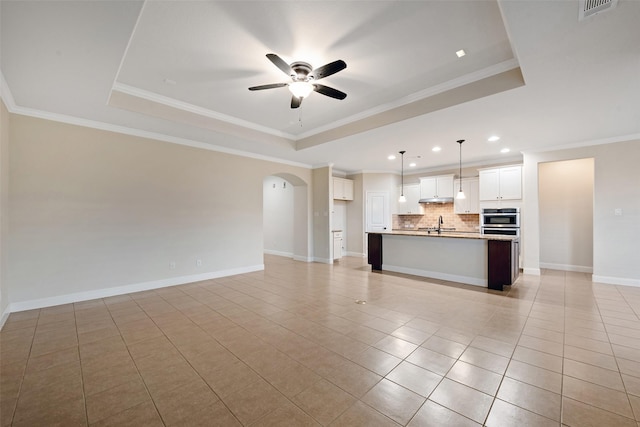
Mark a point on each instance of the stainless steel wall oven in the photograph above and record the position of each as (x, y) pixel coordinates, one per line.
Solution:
(501, 221)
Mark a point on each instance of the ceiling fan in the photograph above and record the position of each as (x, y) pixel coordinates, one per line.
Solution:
(303, 78)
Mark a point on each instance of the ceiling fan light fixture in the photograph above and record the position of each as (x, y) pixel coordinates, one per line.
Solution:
(300, 89)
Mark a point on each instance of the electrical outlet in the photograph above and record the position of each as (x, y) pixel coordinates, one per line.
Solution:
(199, 262)
(172, 265)
(617, 211)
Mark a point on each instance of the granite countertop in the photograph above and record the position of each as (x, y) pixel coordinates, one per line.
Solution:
(449, 234)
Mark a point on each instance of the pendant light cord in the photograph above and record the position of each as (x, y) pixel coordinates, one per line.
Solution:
(460, 172)
(402, 172)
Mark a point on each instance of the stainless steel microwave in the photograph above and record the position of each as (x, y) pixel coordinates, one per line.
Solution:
(501, 217)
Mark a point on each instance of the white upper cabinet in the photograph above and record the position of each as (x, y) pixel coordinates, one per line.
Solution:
(501, 183)
(436, 187)
(470, 204)
(412, 205)
(342, 188)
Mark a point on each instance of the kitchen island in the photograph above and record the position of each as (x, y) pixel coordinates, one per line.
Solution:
(470, 258)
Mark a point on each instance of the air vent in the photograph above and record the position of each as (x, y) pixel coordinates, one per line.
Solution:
(591, 7)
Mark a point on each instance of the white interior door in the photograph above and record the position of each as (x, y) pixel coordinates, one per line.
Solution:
(378, 218)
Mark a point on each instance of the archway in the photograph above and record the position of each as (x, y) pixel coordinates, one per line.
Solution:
(286, 221)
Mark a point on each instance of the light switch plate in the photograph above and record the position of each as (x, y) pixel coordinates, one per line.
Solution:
(617, 211)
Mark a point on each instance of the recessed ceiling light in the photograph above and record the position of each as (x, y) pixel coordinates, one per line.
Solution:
(436, 149)
(461, 53)
(391, 157)
(505, 150)
(412, 165)
(493, 138)
(170, 82)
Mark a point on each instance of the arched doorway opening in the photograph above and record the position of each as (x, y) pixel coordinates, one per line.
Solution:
(286, 222)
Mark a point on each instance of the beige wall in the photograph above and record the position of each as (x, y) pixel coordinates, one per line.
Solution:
(565, 195)
(615, 238)
(322, 197)
(278, 211)
(4, 210)
(92, 210)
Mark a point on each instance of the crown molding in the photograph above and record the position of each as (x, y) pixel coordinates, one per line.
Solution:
(204, 112)
(93, 124)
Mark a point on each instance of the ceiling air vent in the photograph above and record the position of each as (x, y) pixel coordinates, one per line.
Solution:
(591, 7)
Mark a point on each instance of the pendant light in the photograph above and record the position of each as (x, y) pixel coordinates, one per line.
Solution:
(460, 194)
(402, 199)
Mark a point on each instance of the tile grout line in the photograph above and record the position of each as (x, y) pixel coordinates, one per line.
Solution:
(24, 372)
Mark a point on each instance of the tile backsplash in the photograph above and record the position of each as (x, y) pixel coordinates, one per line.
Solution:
(461, 222)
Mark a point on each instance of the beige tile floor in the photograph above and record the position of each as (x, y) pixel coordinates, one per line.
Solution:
(289, 346)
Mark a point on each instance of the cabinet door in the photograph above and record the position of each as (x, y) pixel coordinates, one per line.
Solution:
(470, 204)
(338, 192)
(489, 184)
(342, 189)
(460, 206)
(445, 186)
(411, 206)
(471, 189)
(347, 189)
(511, 183)
(337, 245)
(428, 188)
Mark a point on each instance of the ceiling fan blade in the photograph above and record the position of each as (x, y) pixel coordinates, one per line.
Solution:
(270, 86)
(328, 69)
(329, 91)
(295, 102)
(279, 62)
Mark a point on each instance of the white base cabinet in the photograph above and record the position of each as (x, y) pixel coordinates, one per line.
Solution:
(337, 244)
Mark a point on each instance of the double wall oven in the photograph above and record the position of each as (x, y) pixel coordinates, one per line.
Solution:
(501, 221)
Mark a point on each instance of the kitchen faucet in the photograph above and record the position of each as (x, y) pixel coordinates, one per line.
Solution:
(440, 224)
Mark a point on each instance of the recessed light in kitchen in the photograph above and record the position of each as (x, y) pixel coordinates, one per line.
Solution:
(505, 150)
(436, 149)
(493, 138)
(412, 165)
(391, 157)
(461, 53)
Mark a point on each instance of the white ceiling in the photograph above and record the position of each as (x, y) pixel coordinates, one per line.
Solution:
(534, 75)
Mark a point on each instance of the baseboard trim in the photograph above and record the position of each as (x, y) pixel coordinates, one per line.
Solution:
(127, 289)
(615, 280)
(567, 267)
(302, 258)
(437, 275)
(356, 254)
(323, 260)
(278, 253)
(531, 271)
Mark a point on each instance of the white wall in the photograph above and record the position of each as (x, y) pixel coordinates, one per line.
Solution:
(566, 215)
(4, 211)
(615, 238)
(93, 213)
(278, 212)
